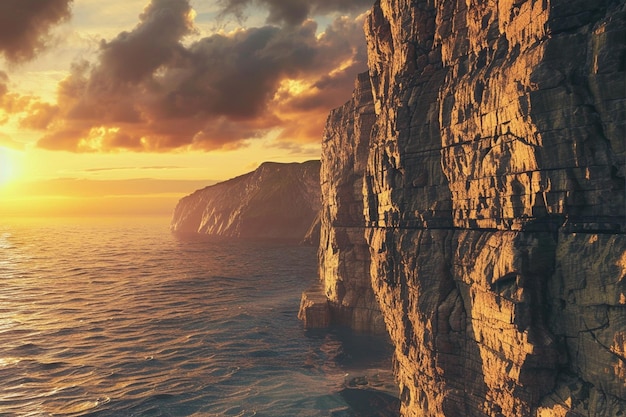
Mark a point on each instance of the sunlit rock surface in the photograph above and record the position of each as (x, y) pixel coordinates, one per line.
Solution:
(276, 201)
(493, 203)
(344, 253)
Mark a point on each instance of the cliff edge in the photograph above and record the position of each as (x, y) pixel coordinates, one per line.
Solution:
(276, 201)
(475, 197)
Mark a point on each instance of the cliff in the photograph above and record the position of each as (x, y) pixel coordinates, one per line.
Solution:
(276, 201)
(345, 296)
(491, 179)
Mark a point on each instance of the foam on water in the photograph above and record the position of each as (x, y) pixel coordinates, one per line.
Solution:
(121, 318)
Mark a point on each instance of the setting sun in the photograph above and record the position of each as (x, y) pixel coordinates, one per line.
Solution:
(243, 95)
(7, 167)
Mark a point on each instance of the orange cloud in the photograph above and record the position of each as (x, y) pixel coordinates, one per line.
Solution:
(32, 112)
(150, 92)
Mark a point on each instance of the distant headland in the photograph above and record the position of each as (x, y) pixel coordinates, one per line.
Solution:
(275, 201)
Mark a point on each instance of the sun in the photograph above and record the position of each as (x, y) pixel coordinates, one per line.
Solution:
(7, 167)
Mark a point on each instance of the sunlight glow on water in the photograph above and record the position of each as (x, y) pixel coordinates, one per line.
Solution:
(124, 319)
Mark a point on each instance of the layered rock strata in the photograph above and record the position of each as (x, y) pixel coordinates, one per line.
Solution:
(276, 201)
(345, 295)
(494, 207)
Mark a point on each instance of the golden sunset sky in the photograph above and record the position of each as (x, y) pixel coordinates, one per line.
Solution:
(122, 107)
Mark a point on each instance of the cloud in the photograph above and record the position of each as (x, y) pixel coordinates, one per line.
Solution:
(25, 26)
(77, 187)
(150, 168)
(293, 12)
(298, 149)
(38, 114)
(155, 41)
(84, 197)
(148, 91)
(32, 112)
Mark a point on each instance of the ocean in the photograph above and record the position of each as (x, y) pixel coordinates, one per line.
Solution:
(119, 317)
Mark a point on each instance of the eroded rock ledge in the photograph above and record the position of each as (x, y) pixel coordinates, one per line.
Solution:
(475, 196)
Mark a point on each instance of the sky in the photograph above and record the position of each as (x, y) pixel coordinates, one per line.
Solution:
(123, 107)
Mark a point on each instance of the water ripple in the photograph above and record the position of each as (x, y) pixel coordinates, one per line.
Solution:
(124, 319)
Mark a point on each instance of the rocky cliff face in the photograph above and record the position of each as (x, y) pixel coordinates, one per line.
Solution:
(493, 202)
(344, 258)
(276, 201)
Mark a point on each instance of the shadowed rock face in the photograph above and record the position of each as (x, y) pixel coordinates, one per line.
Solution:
(344, 253)
(344, 296)
(493, 201)
(276, 201)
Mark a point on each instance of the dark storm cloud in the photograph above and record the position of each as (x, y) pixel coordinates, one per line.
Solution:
(132, 56)
(294, 11)
(236, 75)
(4, 80)
(25, 25)
(149, 92)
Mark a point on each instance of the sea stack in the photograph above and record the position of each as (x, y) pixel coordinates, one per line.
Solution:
(473, 201)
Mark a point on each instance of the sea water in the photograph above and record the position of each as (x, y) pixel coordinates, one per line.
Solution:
(120, 317)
